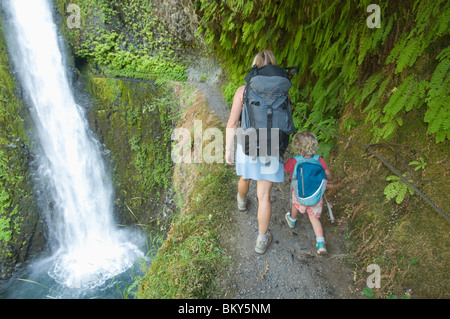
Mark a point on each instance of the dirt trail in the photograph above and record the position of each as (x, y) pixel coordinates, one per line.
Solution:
(290, 268)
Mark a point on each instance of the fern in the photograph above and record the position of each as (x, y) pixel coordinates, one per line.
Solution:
(421, 164)
(369, 87)
(398, 98)
(438, 113)
(408, 95)
(248, 8)
(409, 54)
(350, 93)
(246, 31)
(298, 37)
(376, 97)
(397, 188)
(334, 49)
(412, 45)
(258, 25)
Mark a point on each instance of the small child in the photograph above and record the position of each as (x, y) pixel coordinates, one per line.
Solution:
(305, 143)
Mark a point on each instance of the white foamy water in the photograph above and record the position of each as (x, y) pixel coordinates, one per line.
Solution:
(88, 247)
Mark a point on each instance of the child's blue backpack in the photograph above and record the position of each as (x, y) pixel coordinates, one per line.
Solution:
(309, 180)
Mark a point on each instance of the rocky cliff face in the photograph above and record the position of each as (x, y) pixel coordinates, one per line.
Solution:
(134, 119)
(21, 228)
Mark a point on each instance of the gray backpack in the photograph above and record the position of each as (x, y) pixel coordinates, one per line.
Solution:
(266, 114)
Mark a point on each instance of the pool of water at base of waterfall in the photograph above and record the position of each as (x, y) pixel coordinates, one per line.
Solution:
(34, 282)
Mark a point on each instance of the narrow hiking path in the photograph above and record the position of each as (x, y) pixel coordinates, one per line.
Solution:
(290, 268)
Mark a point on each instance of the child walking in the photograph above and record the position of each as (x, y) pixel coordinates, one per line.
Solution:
(305, 144)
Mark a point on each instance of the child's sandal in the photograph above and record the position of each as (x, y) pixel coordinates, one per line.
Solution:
(321, 250)
(289, 221)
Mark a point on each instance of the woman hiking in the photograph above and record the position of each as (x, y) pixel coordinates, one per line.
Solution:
(250, 168)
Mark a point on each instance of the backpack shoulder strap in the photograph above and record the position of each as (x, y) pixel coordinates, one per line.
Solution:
(298, 160)
(245, 106)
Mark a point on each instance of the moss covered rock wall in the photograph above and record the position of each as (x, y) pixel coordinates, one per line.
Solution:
(132, 38)
(134, 121)
(21, 230)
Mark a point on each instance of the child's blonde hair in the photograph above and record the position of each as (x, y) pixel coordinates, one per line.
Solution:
(305, 143)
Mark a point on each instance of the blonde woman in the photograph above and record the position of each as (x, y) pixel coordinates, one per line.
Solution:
(305, 144)
(249, 168)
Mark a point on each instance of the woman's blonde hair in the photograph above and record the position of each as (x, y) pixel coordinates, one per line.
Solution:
(305, 143)
(263, 58)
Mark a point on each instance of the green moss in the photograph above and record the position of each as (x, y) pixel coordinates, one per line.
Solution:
(187, 264)
(126, 39)
(18, 212)
(134, 119)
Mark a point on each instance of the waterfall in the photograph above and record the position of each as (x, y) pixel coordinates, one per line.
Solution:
(87, 247)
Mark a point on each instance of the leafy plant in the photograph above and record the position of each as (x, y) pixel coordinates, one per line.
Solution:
(133, 41)
(350, 124)
(413, 261)
(397, 188)
(368, 292)
(419, 164)
(438, 113)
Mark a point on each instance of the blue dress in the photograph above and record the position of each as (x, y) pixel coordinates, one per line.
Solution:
(256, 168)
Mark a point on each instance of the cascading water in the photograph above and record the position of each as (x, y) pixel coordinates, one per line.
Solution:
(88, 249)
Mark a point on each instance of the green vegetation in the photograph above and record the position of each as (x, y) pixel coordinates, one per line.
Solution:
(421, 164)
(7, 178)
(190, 259)
(6, 213)
(386, 223)
(341, 59)
(18, 214)
(126, 39)
(397, 188)
(386, 85)
(134, 119)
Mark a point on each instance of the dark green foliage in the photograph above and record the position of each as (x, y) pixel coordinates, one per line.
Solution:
(134, 120)
(340, 58)
(127, 39)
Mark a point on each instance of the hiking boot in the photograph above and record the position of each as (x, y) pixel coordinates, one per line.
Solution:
(289, 221)
(261, 246)
(242, 204)
(321, 250)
